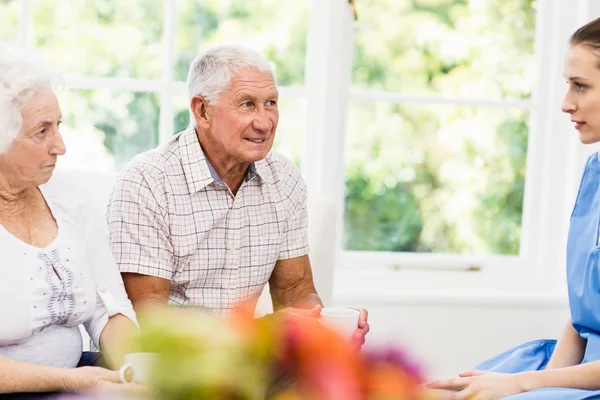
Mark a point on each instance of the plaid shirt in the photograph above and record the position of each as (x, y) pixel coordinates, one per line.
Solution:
(171, 216)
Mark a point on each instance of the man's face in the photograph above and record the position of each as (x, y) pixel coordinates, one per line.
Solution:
(244, 119)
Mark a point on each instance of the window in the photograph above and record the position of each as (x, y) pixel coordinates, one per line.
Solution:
(91, 38)
(8, 25)
(434, 125)
(442, 141)
(126, 62)
(438, 122)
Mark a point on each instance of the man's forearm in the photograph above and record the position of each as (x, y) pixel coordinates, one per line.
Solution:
(309, 299)
(296, 298)
(291, 284)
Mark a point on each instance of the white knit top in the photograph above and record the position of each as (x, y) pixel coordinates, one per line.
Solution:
(46, 293)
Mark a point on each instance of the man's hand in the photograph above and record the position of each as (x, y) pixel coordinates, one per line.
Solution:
(358, 337)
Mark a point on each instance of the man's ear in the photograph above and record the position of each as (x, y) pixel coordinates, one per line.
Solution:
(199, 107)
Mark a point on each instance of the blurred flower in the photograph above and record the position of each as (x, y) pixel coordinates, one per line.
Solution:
(238, 356)
(206, 357)
(324, 364)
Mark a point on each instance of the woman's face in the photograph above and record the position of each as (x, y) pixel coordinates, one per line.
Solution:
(582, 101)
(32, 157)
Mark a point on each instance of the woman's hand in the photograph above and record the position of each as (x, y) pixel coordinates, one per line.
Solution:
(481, 385)
(78, 379)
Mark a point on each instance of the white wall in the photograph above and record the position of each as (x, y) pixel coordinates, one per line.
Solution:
(448, 339)
(451, 321)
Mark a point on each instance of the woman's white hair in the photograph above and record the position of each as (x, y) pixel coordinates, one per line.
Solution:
(22, 74)
(211, 73)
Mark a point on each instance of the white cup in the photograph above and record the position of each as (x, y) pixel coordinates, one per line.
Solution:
(137, 367)
(342, 320)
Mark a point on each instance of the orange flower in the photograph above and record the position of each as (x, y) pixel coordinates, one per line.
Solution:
(326, 365)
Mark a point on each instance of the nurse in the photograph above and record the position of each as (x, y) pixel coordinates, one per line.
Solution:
(570, 368)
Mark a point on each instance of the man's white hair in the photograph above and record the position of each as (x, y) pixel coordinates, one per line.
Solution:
(211, 73)
(22, 74)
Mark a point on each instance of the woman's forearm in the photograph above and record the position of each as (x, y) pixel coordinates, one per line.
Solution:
(564, 368)
(117, 339)
(569, 350)
(18, 376)
(583, 376)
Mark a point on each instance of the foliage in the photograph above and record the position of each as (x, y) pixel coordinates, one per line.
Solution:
(8, 20)
(436, 178)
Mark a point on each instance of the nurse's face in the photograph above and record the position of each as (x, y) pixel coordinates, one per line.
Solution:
(582, 101)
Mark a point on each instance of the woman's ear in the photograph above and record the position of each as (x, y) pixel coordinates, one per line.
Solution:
(199, 107)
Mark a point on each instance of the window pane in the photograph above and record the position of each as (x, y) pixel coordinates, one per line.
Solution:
(291, 128)
(8, 20)
(275, 28)
(289, 138)
(101, 37)
(446, 47)
(181, 112)
(434, 178)
(103, 129)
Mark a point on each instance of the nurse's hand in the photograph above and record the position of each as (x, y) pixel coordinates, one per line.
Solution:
(481, 385)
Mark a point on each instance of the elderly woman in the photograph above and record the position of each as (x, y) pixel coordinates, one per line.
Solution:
(57, 269)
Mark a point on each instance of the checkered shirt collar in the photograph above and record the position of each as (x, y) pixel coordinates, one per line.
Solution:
(198, 170)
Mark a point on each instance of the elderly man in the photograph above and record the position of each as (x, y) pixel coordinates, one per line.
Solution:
(211, 216)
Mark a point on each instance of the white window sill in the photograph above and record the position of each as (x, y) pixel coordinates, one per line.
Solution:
(483, 288)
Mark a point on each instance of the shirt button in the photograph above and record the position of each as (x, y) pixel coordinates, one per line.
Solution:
(102, 289)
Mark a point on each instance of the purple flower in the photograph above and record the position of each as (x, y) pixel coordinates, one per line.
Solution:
(396, 357)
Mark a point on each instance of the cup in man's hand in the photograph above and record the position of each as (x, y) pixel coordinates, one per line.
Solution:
(137, 367)
(342, 320)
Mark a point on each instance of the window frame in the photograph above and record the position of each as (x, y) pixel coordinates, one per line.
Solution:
(550, 185)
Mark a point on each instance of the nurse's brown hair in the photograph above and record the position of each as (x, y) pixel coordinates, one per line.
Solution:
(588, 35)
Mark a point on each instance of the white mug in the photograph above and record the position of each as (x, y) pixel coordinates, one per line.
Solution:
(342, 320)
(137, 367)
